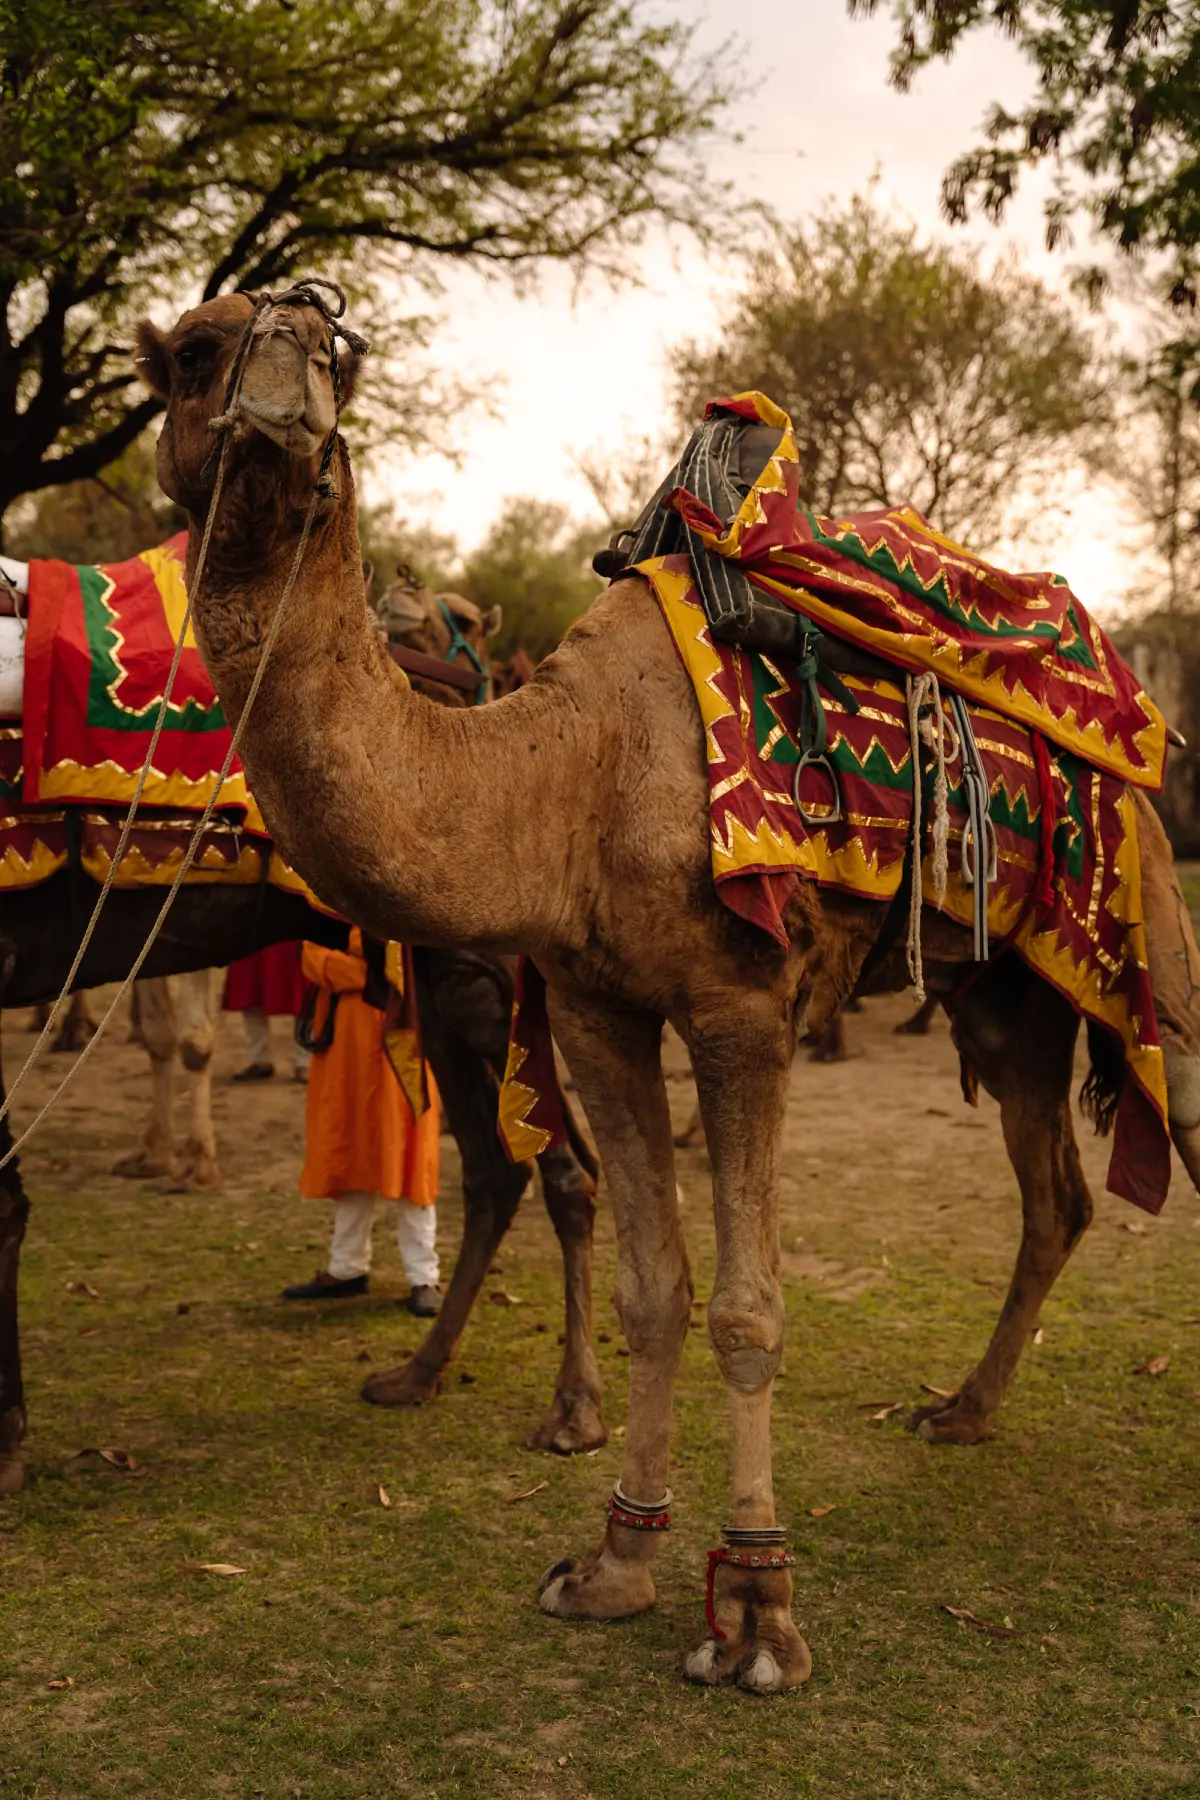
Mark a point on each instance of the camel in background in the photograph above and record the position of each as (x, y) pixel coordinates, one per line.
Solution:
(570, 821)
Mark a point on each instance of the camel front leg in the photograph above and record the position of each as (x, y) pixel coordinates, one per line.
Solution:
(742, 1057)
(198, 1014)
(455, 996)
(1019, 1036)
(574, 1421)
(156, 1017)
(615, 1057)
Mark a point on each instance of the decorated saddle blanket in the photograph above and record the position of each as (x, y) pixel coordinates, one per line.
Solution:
(81, 690)
(1060, 725)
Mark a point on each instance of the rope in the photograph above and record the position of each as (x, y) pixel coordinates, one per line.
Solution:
(193, 845)
(922, 691)
(303, 294)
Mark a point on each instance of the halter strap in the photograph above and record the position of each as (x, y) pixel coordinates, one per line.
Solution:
(459, 642)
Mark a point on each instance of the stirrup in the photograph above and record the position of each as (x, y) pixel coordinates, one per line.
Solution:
(817, 759)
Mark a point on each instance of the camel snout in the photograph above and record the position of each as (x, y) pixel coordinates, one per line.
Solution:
(287, 391)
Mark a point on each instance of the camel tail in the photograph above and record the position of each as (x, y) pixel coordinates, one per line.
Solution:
(1101, 1091)
(580, 1148)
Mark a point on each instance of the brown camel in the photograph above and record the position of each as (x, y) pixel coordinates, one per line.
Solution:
(570, 821)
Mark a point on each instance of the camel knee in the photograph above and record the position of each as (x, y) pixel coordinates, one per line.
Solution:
(653, 1308)
(1182, 1068)
(747, 1336)
(196, 1054)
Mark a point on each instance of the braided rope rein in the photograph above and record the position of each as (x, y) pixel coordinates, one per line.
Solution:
(302, 294)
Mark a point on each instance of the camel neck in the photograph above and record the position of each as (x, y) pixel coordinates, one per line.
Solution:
(417, 821)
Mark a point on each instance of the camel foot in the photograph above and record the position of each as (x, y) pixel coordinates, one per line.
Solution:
(408, 1384)
(601, 1585)
(761, 1651)
(953, 1421)
(12, 1463)
(146, 1165)
(573, 1424)
(72, 1037)
(205, 1170)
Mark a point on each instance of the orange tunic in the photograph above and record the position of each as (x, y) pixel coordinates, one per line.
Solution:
(361, 1135)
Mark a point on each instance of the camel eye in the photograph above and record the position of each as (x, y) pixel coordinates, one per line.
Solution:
(191, 358)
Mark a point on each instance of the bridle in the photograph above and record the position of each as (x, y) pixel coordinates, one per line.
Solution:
(477, 679)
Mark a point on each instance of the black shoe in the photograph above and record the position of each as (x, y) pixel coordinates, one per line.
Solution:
(424, 1302)
(256, 1072)
(324, 1286)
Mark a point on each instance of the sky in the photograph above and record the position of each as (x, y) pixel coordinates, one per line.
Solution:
(581, 368)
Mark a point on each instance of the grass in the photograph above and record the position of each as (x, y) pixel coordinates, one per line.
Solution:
(371, 1651)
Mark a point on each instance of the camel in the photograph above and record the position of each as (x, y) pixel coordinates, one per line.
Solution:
(569, 822)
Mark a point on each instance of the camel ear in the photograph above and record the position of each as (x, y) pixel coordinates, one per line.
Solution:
(493, 618)
(349, 363)
(368, 576)
(151, 359)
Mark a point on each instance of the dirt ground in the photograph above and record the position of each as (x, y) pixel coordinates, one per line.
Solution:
(371, 1651)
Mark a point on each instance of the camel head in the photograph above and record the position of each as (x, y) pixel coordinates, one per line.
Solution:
(284, 410)
(411, 614)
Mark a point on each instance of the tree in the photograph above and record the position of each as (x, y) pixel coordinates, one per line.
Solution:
(107, 518)
(535, 562)
(909, 375)
(1117, 111)
(170, 147)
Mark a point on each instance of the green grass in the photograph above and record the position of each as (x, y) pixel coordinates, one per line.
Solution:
(372, 1652)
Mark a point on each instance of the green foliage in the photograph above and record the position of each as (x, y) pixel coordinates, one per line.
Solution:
(390, 542)
(910, 376)
(106, 519)
(1117, 112)
(535, 562)
(149, 151)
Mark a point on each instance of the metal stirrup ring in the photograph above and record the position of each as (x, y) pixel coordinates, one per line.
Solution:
(817, 759)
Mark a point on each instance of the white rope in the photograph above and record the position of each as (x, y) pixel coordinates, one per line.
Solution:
(197, 834)
(922, 691)
(90, 929)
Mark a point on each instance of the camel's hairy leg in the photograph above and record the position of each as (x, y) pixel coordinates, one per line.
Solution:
(14, 1212)
(829, 1045)
(574, 1421)
(156, 1014)
(76, 1027)
(918, 1024)
(198, 1015)
(1019, 1036)
(615, 1058)
(1173, 961)
(450, 989)
(742, 1056)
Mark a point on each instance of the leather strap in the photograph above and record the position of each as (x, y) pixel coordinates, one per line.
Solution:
(416, 662)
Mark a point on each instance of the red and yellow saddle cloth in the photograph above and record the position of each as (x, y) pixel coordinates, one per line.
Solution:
(98, 651)
(1059, 721)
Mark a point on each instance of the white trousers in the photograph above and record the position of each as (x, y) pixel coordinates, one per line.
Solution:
(257, 1027)
(416, 1235)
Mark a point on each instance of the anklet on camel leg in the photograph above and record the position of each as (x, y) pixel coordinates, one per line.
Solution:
(639, 1515)
(759, 1547)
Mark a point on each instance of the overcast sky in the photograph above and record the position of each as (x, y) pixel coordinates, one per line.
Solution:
(584, 370)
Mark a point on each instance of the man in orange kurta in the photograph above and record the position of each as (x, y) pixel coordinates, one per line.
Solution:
(362, 1141)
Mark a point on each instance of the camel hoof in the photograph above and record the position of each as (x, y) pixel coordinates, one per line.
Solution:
(206, 1172)
(596, 1587)
(570, 1427)
(143, 1167)
(405, 1385)
(701, 1664)
(762, 1675)
(12, 1475)
(948, 1423)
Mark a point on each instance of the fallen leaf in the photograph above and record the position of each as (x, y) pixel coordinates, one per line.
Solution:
(969, 1618)
(93, 1331)
(1135, 1227)
(621, 1350)
(819, 1512)
(216, 1568)
(1157, 1365)
(937, 1112)
(385, 1499)
(120, 1459)
(527, 1493)
(562, 1762)
(503, 1298)
(938, 1393)
(885, 1412)
(618, 1431)
(66, 1681)
(83, 1287)
(466, 1378)
(1039, 1336)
